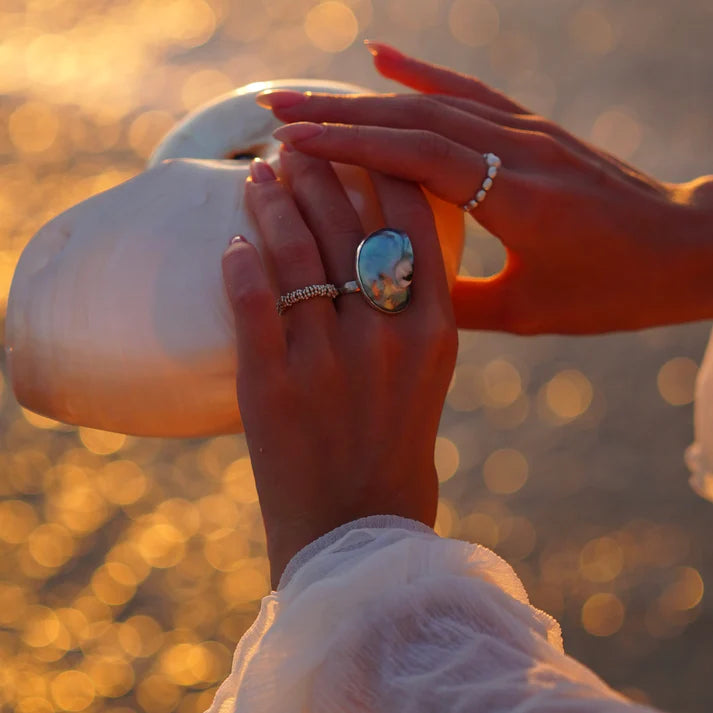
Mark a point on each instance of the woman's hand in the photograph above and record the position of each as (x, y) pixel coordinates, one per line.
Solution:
(592, 244)
(340, 402)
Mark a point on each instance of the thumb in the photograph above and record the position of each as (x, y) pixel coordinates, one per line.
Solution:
(484, 303)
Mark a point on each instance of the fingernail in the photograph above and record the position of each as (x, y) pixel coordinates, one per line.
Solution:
(297, 132)
(281, 98)
(378, 48)
(287, 148)
(261, 171)
(237, 239)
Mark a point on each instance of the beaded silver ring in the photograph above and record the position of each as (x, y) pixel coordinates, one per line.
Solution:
(493, 163)
(305, 293)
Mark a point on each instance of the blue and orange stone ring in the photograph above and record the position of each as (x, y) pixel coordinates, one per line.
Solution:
(384, 272)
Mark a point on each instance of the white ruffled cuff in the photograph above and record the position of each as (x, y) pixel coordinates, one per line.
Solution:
(382, 614)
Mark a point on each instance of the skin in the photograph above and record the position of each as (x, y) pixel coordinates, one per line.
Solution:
(340, 402)
(593, 245)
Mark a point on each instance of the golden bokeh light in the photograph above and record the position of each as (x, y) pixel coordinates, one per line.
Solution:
(502, 383)
(198, 88)
(513, 54)
(13, 603)
(480, 528)
(122, 482)
(38, 421)
(415, 16)
(517, 538)
(566, 396)
(157, 694)
(617, 131)
(41, 626)
(161, 545)
(33, 127)
(72, 690)
(591, 31)
(17, 520)
(148, 128)
(224, 549)
(51, 545)
(601, 560)
(603, 614)
(114, 583)
(676, 381)
(446, 518)
(112, 676)
(130, 567)
(101, 442)
(685, 592)
(140, 636)
(474, 23)
(465, 389)
(447, 458)
(505, 471)
(239, 482)
(246, 584)
(331, 26)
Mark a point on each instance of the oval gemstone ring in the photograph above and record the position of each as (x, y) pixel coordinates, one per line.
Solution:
(384, 270)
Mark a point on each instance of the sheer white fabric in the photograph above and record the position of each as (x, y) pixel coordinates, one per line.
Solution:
(381, 614)
(700, 455)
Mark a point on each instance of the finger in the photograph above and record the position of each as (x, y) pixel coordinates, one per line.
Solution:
(259, 334)
(460, 124)
(406, 208)
(447, 169)
(326, 210)
(289, 246)
(432, 79)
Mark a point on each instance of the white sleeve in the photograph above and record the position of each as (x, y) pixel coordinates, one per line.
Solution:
(699, 456)
(382, 615)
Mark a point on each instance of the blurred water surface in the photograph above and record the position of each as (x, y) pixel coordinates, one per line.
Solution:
(130, 567)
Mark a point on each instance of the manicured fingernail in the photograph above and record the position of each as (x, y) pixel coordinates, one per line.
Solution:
(261, 171)
(378, 48)
(297, 132)
(237, 239)
(281, 98)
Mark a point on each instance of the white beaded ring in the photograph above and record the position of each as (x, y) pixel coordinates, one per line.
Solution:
(493, 163)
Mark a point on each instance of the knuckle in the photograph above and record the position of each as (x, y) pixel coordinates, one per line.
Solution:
(546, 147)
(426, 109)
(432, 145)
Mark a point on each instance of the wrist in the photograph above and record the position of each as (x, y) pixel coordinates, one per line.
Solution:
(286, 538)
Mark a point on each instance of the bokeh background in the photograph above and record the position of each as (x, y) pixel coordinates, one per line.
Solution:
(130, 567)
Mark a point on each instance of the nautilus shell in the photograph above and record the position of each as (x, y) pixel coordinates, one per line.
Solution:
(117, 316)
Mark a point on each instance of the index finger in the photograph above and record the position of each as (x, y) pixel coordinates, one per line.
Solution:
(434, 79)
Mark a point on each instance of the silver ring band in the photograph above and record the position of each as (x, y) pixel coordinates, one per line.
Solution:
(306, 293)
(384, 272)
(493, 163)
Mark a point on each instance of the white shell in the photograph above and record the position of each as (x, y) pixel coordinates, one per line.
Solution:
(117, 316)
(700, 455)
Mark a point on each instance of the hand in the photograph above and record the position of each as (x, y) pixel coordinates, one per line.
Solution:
(593, 245)
(340, 402)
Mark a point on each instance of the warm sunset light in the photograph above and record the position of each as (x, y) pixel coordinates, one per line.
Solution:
(130, 566)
